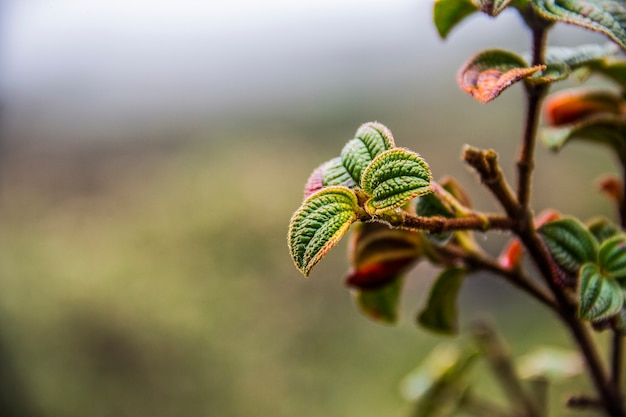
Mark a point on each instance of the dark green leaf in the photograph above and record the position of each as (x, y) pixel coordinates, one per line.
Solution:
(440, 314)
(428, 206)
(371, 140)
(578, 56)
(449, 13)
(380, 303)
(605, 129)
(393, 178)
(318, 225)
(605, 16)
(570, 243)
(602, 228)
(379, 254)
(490, 72)
(600, 297)
(612, 256)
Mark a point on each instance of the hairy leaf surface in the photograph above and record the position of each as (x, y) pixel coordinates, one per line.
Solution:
(605, 16)
(318, 225)
(612, 256)
(490, 72)
(371, 140)
(395, 177)
(570, 243)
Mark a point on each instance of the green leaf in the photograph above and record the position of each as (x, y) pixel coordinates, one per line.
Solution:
(438, 384)
(605, 129)
(328, 174)
(602, 228)
(318, 225)
(371, 140)
(600, 297)
(578, 56)
(449, 13)
(379, 254)
(570, 243)
(605, 16)
(440, 314)
(393, 178)
(612, 256)
(615, 70)
(381, 303)
(429, 205)
(490, 72)
(552, 73)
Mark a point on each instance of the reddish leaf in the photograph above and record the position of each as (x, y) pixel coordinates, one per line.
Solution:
(570, 106)
(490, 72)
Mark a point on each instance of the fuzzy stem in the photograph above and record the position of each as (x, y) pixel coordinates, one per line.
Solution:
(439, 224)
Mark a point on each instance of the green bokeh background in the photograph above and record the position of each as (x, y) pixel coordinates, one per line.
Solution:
(149, 275)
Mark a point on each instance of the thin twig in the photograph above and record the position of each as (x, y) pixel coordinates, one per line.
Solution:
(440, 224)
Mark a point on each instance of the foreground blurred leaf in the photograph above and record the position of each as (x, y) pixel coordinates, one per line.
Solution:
(570, 243)
(449, 13)
(600, 297)
(395, 177)
(554, 363)
(379, 254)
(440, 314)
(371, 139)
(381, 303)
(319, 224)
(612, 256)
(605, 16)
(439, 383)
(490, 72)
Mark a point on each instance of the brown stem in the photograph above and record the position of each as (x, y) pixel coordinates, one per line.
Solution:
(617, 360)
(439, 224)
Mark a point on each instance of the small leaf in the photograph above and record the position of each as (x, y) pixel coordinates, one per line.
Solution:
(437, 386)
(490, 72)
(602, 129)
(318, 225)
(511, 255)
(440, 314)
(449, 13)
(612, 256)
(379, 254)
(429, 205)
(605, 16)
(570, 243)
(381, 303)
(600, 297)
(393, 178)
(371, 140)
(602, 228)
(574, 105)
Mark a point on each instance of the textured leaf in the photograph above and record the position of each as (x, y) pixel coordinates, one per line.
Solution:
(318, 225)
(612, 256)
(328, 174)
(437, 386)
(578, 56)
(601, 228)
(605, 16)
(395, 177)
(550, 74)
(570, 243)
(600, 297)
(371, 140)
(449, 13)
(602, 129)
(379, 254)
(381, 303)
(574, 105)
(440, 314)
(490, 72)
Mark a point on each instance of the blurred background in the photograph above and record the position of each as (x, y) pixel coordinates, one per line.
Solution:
(151, 155)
